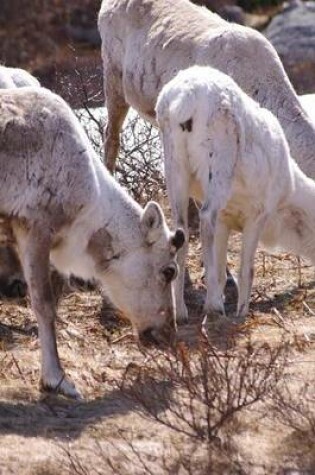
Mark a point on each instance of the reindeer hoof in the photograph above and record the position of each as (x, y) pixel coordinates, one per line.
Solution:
(214, 310)
(239, 319)
(64, 386)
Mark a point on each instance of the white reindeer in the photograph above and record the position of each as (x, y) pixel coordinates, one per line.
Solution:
(146, 42)
(61, 203)
(230, 154)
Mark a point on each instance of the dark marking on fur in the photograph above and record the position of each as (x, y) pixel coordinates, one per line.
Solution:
(297, 222)
(153, 63)
(20, 138)
(213, 218)
(187, 125)
(100, 248)
(129, 77)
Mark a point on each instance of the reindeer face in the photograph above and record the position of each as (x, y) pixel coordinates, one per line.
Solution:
(139, 281)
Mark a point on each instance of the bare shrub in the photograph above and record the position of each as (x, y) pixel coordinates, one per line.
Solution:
(139, 167)
(209, 386)
(196, 396)
(128, 458)
(296, 408)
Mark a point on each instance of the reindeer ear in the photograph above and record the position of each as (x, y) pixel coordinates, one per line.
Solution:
(178, 239)
(152, 222)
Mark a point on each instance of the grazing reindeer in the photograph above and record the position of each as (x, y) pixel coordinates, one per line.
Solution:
(230, 154)
(146, 42)
(61, 204)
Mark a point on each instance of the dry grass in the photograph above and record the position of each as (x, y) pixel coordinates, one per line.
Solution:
(232, 400)
(112, 433)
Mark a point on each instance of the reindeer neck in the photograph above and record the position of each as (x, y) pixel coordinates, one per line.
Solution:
(292, 227)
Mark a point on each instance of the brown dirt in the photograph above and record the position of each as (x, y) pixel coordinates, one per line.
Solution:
(38, 432)
(39, 29)
(36, 36)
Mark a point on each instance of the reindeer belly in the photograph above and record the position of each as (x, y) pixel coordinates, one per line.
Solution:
(238, 210)
(145, 71)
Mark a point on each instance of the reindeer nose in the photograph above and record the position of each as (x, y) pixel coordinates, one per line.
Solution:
(147, 337)
(163, 335)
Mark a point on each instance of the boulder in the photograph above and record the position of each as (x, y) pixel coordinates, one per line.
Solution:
(292, 33)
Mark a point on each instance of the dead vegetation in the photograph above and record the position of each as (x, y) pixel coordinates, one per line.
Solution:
(231, 399)
(239, 401)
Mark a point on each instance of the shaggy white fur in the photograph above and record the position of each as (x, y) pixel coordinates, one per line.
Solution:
(230, 154)
(61, 203)
(146, 42)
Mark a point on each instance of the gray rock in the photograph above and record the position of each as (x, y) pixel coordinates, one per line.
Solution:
(292, 33)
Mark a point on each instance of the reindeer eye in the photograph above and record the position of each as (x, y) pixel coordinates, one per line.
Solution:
(115, 256)
(169, 272)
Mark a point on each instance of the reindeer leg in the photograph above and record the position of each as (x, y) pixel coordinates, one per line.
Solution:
(214, 236)
(117, 109)
(177, 188)
(34, 248)
(221, 248)
(208, 225)
(251, 234)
